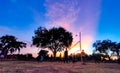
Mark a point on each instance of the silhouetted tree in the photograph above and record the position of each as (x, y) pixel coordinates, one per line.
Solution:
(9, 44)
(97, 46)
(56, 39)
(115, 47)
(106, 46)
(103, 46)
(42, 54)
(97, 57)
(118, 49)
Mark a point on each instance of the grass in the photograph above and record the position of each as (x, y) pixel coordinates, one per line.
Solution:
(55, 67)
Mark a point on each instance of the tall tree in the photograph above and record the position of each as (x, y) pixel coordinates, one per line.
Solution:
(103, 46)
(10, 44)
(118, 49)
(56, 39)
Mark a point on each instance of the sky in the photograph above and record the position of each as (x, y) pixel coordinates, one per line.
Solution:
(95, 19)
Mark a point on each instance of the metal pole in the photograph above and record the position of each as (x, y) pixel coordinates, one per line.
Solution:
(80, 46)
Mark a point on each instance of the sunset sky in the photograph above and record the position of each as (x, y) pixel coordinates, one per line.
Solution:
(95, 19)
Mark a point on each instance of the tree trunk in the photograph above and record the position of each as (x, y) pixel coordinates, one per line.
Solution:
(54, 54)
(108, 56)
(66, 56)
(66, 49)
(117, 52)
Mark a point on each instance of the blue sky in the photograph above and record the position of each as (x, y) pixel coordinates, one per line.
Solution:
(109, 22)
(17, 17)
(96, 19)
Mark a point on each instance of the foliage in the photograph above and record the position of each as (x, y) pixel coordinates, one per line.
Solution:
(56, 39)
(9, 44)
(43, 53)
(106, 46)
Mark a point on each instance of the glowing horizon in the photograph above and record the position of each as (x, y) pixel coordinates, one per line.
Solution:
(94, 19)
(75, 16)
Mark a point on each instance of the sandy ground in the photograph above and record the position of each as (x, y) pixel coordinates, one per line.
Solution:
(55, 67)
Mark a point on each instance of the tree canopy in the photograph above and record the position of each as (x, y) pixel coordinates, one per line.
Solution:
(9, 44)
(107, 45)
(56, 39)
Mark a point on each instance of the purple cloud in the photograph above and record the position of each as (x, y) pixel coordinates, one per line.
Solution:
(75, 16)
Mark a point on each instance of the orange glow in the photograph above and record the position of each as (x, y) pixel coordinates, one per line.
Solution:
(114, 57)
(58, 54)
(85, 45)
(75, 19)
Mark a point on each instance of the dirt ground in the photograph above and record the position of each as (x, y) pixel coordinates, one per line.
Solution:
(56, 67)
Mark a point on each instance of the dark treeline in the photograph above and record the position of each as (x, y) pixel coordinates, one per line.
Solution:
(106, 49)
(9, 44)
(107, 46)
(95, 57)
(57, 40)
(21, 57)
